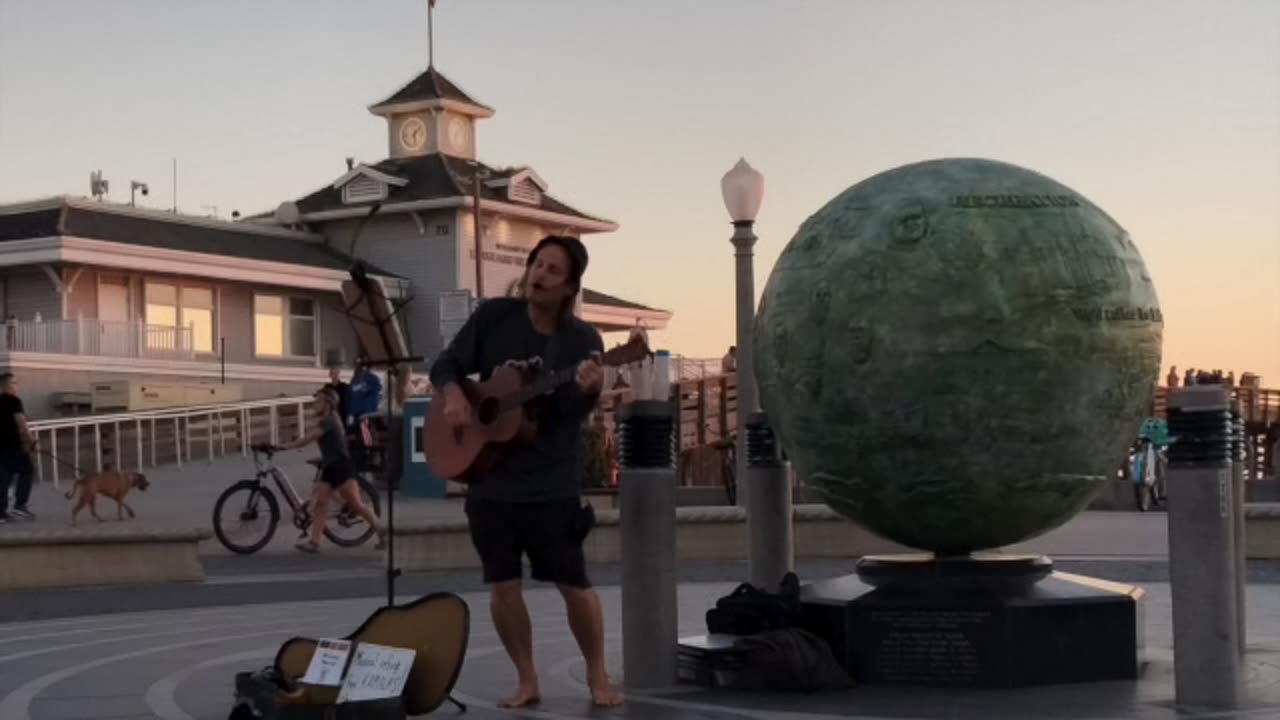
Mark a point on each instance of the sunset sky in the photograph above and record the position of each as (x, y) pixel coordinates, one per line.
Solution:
(1164, 113)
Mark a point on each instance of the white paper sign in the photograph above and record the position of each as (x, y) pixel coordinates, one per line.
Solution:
(377, 671)
(327, 663)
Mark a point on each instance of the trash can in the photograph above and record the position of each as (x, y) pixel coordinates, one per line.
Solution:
(418, 480)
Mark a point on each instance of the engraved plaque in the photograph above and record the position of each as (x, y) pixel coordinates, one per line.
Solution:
(930, 647)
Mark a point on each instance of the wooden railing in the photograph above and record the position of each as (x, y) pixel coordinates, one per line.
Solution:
(705, 423)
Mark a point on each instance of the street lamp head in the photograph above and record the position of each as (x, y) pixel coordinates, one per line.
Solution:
(743, 190)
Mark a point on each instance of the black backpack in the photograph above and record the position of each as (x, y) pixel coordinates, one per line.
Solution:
(749, 610)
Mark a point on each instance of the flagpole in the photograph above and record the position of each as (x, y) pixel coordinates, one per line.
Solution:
(431, 61)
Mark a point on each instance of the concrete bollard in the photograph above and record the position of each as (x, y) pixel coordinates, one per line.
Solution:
(1238, 477)
(1202, 563)
(647, 519)
(770, 520)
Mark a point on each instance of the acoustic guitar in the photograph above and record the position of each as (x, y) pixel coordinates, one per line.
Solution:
(501, 415)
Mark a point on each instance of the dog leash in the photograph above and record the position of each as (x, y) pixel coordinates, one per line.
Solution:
(60, 461)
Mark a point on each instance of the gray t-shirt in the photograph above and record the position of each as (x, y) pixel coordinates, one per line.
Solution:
(333, 441)
(550, 468)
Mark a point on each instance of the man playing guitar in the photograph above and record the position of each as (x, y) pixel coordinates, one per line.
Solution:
(530, 501)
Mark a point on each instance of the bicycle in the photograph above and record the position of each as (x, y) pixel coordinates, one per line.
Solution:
(260, 500)
(727, 450)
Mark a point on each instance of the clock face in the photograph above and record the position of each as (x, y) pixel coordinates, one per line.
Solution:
(458, 134)
(413, 134)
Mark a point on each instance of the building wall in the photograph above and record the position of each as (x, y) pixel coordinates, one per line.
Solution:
(39, 388)
(27, 291)
(507, 243)
(425, 255)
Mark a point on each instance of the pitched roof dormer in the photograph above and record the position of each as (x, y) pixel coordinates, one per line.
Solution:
(364, 184)
(522, 186)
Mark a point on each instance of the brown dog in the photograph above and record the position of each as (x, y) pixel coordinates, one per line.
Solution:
(114, 484)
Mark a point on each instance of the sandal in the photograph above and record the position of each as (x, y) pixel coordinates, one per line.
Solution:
(307, 546)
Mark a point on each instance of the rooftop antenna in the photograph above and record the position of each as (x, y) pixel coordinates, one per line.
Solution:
(175, 186)
(98, 187)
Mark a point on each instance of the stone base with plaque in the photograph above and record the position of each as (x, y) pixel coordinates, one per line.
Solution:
(980, 621)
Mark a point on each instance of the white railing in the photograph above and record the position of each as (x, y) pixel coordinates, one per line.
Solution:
(87, 336)
(170, 435)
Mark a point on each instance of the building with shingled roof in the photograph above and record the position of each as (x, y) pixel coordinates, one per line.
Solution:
(94, 292)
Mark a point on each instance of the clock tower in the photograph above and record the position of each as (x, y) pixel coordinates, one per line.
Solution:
(431, 115)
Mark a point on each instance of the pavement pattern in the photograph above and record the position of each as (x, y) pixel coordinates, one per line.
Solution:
(171, 652)
(180, 664)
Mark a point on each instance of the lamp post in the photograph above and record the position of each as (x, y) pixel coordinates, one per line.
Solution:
(743, 191)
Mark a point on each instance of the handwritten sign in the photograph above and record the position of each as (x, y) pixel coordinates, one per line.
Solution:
(328, 662)
(376, 672)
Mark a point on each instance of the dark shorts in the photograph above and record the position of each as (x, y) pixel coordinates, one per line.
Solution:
(336, 473)
(550, 533)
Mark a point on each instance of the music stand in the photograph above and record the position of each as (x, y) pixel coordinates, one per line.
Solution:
(382, 344)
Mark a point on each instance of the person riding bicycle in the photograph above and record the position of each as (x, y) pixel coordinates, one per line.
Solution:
(336, 473)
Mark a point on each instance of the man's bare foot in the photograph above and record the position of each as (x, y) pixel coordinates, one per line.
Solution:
(525, 695)
(604, 694)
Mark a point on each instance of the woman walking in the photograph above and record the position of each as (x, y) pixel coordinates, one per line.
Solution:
(335, 473)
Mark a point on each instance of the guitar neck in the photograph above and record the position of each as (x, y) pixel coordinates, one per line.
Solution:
(541, 386)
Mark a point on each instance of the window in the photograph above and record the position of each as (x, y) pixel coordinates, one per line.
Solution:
(162, 305)
(284, 326)
(197, 314)
(169, 307)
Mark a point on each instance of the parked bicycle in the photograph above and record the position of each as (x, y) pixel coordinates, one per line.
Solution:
(252, 504)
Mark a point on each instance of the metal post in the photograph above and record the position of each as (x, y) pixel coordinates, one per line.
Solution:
(769, 513)
(137, 429)
(53, 451)
(647, 495)
(1201, 558)
(744, 239)
(97, 445)
(177, 441)
(1238, 476)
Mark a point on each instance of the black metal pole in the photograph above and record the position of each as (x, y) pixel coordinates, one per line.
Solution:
(222, 352)
(392, 571)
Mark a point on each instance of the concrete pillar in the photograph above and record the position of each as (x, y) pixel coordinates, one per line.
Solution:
(647, 496)
(1202, 563)
(770, 519)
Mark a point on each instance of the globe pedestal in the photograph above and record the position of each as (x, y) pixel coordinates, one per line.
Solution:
(981, 621)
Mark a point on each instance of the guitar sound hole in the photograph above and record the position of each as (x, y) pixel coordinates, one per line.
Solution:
(488, 411)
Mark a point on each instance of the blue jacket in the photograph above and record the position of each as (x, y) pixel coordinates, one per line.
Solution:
(364, 395)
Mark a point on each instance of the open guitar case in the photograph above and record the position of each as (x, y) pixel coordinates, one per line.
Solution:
(436, 627)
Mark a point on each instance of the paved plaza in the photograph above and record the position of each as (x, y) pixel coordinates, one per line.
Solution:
(171, 651)
(178, 665)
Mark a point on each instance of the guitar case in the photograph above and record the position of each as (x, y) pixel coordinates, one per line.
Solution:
(436, 627)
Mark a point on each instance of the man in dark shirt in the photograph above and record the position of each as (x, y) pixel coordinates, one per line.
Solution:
(530, 501)
(16, 442)
(342, 389)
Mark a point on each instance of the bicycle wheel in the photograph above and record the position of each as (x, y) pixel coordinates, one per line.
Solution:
(729, 474)
(254, 514)
(345, 527)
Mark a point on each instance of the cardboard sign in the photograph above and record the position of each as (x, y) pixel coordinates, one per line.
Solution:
(328, 662)
(376, 672)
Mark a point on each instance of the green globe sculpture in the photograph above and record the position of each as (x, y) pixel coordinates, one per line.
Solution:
(957, 353)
